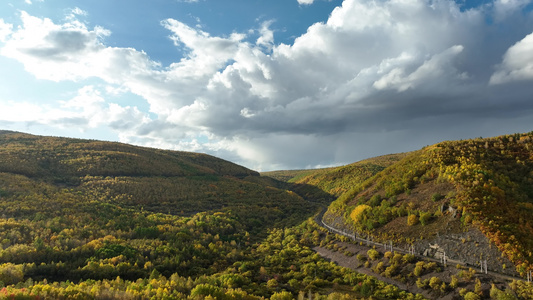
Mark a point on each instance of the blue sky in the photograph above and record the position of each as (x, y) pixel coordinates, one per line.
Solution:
(137, 23)
(268, 84)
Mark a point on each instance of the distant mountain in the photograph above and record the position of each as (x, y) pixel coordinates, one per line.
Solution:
(337, 180)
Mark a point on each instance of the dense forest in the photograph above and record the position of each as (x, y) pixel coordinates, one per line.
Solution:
(84, 219)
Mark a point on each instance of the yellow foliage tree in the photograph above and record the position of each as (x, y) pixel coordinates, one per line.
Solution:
(412, 220)
(357, 212)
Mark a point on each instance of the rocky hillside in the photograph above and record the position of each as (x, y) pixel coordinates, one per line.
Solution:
(447, 188)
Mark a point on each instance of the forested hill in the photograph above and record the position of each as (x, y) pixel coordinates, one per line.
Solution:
(35, 169)
(335, 181)
(84, 219)
(448, 188)
(65, 159)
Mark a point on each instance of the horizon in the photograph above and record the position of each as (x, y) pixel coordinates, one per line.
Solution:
(269, 85)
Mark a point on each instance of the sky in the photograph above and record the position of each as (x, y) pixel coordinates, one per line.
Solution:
(268, 84)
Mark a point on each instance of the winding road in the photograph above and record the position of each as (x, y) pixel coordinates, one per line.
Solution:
(389, 247)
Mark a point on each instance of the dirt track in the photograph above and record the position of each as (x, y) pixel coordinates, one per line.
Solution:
(352, 263)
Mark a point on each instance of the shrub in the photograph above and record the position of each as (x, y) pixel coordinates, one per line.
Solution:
(430, 266)
(408, 258)
(425, 217)
(397, 258)
(435, 283)
(418, 271)
(412, 220)
(373, 254)
(472, 296)
(375, 200)
(462, 292)
(478, 288)
(422, 283)
(436, 197)
(467, 275)
(390, 271)
(361, 257)
(466, 219)
(284, 295)
(401, 211)
(454, 282)
(379, 268)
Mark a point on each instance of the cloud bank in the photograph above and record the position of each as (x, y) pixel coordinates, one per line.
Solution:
(377, 77)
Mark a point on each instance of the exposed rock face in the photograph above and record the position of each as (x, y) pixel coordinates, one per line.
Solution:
(470, 247)
(435, 251)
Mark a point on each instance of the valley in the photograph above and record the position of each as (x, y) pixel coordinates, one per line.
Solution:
(85, 219)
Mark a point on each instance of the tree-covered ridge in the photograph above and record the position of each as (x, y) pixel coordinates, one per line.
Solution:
(65, 160)
(287, 175)
(488, 181)
(337, 180)
(135, 177)
(494, 179)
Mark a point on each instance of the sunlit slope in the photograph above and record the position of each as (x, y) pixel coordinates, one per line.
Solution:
(64, 159)
(485, 183)
(337, 180)
(36, 171)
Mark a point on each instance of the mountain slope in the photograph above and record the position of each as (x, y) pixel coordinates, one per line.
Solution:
(330, 183)
(486, 184)
(134, 177)
(63, 159)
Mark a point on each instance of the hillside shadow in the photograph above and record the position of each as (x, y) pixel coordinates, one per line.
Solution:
(308, 192)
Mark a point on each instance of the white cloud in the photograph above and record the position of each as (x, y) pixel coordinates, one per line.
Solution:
(517, 63)
(505, 8)
(88, 109)
(267, 35)
(5, 30)
(30, 1)
(57, 52)
(305, 2)
(78, 11)
(74, 13)
(426, 73)
(375, 71)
